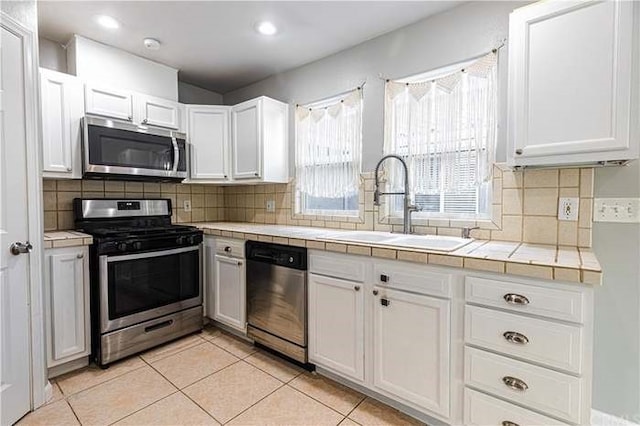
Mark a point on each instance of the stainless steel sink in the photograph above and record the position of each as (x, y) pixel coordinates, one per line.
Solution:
(422, 242)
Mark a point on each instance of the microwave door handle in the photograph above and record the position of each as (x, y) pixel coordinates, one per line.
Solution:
(176, 154)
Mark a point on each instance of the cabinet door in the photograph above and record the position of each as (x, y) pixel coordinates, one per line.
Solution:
(208, 133)
(411, 348)
(157, 111)
(570, 81)
(68, 305)
(108, 102)
(62, 108)
(336, 325)
(247, 140)
(208, 287)
(230, 292)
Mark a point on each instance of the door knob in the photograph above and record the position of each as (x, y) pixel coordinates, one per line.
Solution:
(20, 248)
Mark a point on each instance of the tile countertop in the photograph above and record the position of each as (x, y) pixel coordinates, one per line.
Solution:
(560, 263)
(66, 239)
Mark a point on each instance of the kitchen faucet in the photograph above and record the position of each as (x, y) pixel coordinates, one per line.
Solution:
(408, 207)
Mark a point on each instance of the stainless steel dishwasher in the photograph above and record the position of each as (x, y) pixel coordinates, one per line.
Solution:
(277, 297)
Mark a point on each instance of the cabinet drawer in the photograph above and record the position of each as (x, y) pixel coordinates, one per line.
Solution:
(338, 266)
(545, 342)
(550, 392)
(561, 304)
(483, 410)
(419, 279)
(230, 247)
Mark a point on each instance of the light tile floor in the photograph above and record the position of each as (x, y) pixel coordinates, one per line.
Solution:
(209, 378)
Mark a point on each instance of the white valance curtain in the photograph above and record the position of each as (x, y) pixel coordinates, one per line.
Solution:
(329, 146)
(444, 127)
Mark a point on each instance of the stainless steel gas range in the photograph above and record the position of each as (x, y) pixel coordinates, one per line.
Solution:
(146, 275)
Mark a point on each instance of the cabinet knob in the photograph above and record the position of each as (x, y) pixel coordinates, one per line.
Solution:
(227, 249)
(80, 255)
(385, 302)
(256, 174)
(375, 292)
(515, 299)
(518, 152)
(144, 121)
(356, 288)
(515, 383)
(384, 278)
(130, 118)
(515, 337)
(68, 169)
(225, 176)
(509, 423)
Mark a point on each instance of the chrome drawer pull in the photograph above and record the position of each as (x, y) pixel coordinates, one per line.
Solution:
(515, 383)
(515, 337)
(508, 423)
(515, 299)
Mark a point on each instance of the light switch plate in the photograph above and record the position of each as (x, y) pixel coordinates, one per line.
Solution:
(625, 210)
(186, 205)
(271, 206)
(568, 209)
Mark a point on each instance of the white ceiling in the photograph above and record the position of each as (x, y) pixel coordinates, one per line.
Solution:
(213, 43)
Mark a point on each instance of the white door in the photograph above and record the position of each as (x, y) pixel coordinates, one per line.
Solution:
(208, 133)
(570, 81)
(68, 304)
(336, 325)
(247, 140)
(230, 292)
(157, 111)
(15, 350)
(62, 108)
(208, 287)
(108, 102)
(411, 348)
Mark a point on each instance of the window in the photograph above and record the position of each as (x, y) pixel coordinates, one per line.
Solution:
(328, 156)
(444, 125)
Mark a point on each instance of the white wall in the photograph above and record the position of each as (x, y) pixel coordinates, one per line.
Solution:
(93, 61)
(190, 94)
(52, 55)
(446, 38)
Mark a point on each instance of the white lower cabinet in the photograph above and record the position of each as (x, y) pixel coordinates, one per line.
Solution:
(336, 325)
(411, 336)
(67, 304)
(230, 292)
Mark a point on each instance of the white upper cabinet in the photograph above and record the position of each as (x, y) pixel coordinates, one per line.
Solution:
(573, 83)
(62, 108)
(260, 141)
(109, 102)
(157, 111)
(208, 133)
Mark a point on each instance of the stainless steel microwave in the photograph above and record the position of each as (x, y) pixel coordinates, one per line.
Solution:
(118, 150)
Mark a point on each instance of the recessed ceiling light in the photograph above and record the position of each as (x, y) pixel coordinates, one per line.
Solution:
(108, 22)
(266, 28)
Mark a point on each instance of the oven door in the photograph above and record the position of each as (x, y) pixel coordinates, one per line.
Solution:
(122, 149)
(142, 286)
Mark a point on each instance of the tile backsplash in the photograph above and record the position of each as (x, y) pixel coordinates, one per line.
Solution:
(524, 206)
(58, 195)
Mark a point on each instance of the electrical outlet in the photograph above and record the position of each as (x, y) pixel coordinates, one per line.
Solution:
(568, 209)
(616, 210)
(271, 206)
(186, 204)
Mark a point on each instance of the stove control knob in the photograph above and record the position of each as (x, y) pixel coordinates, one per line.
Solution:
(180, 240)
(291, 259)
(192, 240)
(122, 246)
(137, 245)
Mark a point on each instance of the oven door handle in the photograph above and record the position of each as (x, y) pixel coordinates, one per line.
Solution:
(149, 254)
(176, 154)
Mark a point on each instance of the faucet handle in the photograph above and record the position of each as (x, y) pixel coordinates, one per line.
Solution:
(414, 208)
(466, 231)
